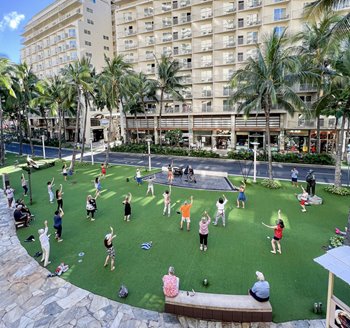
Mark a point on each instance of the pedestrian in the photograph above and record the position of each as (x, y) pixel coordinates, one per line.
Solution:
(220, 213)
(241, 196)
(50, 185)
(167, 201)
(21, 216)
(278, 234)
(261, 289)
(138, 177)
(171, 283)
(170, 173)
(98, 187)
(303, 199)
(45, 244)
(90, 207)
(59, 194)
(108, 242)
(150, 187)
(127, 207)
(10, 194)
(64, 171)
(185, 210)
(204, 231)
(294, 175)
(311, 183)
(24, 185)
(58, 224)
(103, 170)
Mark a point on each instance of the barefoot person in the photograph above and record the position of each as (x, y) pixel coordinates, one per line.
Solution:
(170, 173)
(204, 231)
(57, 219)
(98, 187)
(24, 185)
(220, 205)
(50, 185)
(278, 233)
(171, 283)
(90, 207)
(138, 177)
(127, 207)
(59, 195)
(167, 201)
(10, 194)
(294, 176)
(108, 242)
(103, 170)
(185, 210)
(241, 196)
(45, 244)
(303, 199)
(261, 289)
(150, 187)
(64, 172)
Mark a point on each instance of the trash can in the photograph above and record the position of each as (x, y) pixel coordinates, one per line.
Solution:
(5, 180)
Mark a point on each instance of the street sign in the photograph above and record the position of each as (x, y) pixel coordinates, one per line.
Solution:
(104, 122)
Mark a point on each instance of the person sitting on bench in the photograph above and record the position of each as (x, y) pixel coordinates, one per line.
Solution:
(190, 176)
(171, 283)
(261, 289)
(25, 209)
(20, 216)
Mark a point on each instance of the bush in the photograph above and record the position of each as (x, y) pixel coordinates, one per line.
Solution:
(240, 155)
(336, 241)
(271, 184)
(204, 153)
(341, 191)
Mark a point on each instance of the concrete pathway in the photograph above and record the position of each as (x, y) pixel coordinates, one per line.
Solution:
(30, 299)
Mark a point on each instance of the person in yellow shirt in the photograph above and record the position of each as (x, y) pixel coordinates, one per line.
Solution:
(185, 210)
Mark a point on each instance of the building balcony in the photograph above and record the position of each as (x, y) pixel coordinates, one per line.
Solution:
(249, 6)
(276, 19)
(184, 66)
(202, 16)
(225, 10)
(202, 32)
(274, 2)
(184, 3)
(225, 28)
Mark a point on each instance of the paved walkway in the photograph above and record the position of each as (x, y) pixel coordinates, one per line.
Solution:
(29, 299)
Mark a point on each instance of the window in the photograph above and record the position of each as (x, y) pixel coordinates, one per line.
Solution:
(167, 37)
(148, 11)
(90, 21)
(88, 43)
(150, 40)
(72, 44)
(206, 13)
(206, 45)
(89, 10)
(149, 26)
(87, 32)
(229, 24)
(106, 48)
(279, 30)
(206, 106)
(226, 106)
(206, 61)
(240, 39)
(228, 41)
(105, 37)
(252, 19)
(206, 29)
(240, 22)
(88, 54)
(279, 14)
(166, 6)
(306, 99)
(252, 37)
(240, 56)
(240, 4)
(166, 21)
(206, 76)
(71, 32)
(227, 73)
(207, 91)
(226, 90)
(127, 17)
(228, 57)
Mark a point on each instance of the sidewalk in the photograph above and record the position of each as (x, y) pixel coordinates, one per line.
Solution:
(30, 299)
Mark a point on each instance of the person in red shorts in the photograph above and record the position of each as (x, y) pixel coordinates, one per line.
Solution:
(103, 170)
(278, 233)
(303, 200)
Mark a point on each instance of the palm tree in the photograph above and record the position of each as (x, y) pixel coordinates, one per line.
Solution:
(316, 50)
(113, 83)
(267, 82)
(6, 84)
(167, 83)
(78, 78)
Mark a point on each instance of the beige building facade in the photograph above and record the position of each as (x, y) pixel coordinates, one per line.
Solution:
(62, 33)
(211, 39)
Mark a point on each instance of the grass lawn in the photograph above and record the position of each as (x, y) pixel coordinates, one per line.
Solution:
(234, 253)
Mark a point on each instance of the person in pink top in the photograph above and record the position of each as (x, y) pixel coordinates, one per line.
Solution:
(171, 283)
(204, 231)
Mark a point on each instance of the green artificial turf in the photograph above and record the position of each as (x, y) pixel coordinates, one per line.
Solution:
(234, 253)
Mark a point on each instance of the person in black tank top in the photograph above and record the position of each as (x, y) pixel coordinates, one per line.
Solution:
(127, 207)
(108, 242)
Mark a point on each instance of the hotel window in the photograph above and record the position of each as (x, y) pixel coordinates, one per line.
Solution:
(166, 21)
(90, 21)
(72, 44)
(71, 33)
(167, 51)
(206, 45)
(206, 106)
(149, 54)
(228, 41)
(89, 10)
(186, 33)
(240, 56)
(105, 37)
(226, 90)
(207, 91)
(229, 57)
(206, 76)
(240, 22)
(240, 4)
(148, 11)
(206, 13)
(252, 37)
(279, 14)
(88, 43)
(127, 16)
(252, 19)
(206, 29)
(240, 39)
(150, 40)
(279, 30)
(149, 26)
(128, 44)
(106, 48)
(229, 24)
(87, 32)
(166, 6)
(227, 73)
(167, 37)
(206, 61)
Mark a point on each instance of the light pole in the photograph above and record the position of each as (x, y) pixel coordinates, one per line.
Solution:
(255, 144)
(92, 152)
(43, 141)
(149, 154)
(348, 158)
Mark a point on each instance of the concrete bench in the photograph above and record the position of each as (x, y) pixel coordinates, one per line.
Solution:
(219, 307)
(19, 224)
(204, 172)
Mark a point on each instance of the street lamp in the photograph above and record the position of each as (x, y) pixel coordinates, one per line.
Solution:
(255, 144)
(43, 141)
(30, 183)
(149, 153)
(92, 152)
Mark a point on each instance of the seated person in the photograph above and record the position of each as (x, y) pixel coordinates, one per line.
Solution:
(191, 176)
(25, 209)
(261, 289)
(20, 216)
(171, 283)
(186, 170)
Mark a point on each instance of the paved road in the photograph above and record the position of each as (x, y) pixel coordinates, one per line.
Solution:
(280, 170)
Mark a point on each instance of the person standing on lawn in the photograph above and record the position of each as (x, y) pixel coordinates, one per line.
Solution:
(45, 244)
(294, 175)
(103, 170)
(24, 185)
(98, 187)
(150, 187)
(50, 185)
(204, 231)
(278, 234)
(185, 210)
(127, 207)
(138, 177)
(108, 242)
(170, 173)
(167, 201)
(241, 196)
(10, 194)
(220, 205)
(58, 224)
(90, 207)
(64, 172)
(59, 194)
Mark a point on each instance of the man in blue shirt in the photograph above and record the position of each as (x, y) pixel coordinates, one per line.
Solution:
(261, 289)
(58, 224)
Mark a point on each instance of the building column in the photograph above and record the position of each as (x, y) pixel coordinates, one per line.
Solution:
(282, 132)
(156, 139)
(233, 132)
(190, 130)
(213, 139)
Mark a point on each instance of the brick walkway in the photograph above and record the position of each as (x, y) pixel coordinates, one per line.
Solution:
(29, 299)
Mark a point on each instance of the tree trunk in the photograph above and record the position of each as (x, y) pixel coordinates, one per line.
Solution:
(346, 138)
(160, 116)
(109, 136)
(268, 141)
(84, 128)
(137, 129)
(347, 237)
(59, 134)
(2, 145)
(76, 136)
(20, 132)
(64, 124)
(339, 149)
(144, 112)
(318, 135)
(29, 130)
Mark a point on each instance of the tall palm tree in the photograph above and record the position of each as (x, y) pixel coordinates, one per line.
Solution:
(267, 82)
(168, 82)
(113, 83)
(78, 78)
(5, 84)
(316, 50)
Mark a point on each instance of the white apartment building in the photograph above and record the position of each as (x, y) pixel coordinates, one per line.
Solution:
(211, 39)
(63, 32)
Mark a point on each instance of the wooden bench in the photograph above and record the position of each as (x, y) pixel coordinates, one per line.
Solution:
(219, 307)
(203, 172)
(19, 225)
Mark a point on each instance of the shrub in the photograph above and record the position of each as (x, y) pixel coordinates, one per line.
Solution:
(271, 184)
(240, 155)
(204, 153)
(341, 191)
(336, 241)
